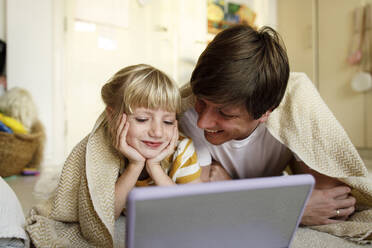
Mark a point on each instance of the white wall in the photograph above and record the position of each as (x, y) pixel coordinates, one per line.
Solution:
(31, 59)
(149, 38)
(2, 20)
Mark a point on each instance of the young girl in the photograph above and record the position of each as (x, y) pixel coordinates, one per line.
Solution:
(135, 142)
(142, 103)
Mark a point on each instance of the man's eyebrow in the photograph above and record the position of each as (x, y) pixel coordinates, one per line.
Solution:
(228, 109)
(229, 114)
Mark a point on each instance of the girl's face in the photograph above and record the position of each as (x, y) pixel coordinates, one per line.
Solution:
(150, 131)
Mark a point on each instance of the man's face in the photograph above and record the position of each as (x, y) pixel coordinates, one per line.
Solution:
(223, 123)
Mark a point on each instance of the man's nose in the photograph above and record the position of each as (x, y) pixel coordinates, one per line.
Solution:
(206, 118)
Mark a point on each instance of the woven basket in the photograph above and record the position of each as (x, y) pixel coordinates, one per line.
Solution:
(16, 151)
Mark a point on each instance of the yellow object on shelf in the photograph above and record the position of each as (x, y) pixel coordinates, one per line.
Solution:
(13, 124)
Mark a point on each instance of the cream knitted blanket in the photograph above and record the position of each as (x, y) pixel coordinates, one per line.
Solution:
(305, 125)
(81, 214)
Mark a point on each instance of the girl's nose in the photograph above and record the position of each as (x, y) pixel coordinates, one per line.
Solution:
(156, 130)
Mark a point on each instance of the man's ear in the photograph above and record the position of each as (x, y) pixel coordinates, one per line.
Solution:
(265, 116)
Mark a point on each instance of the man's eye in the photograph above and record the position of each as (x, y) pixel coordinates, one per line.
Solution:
(141, 119)
(199, 105)
(199, 102)
(226, 116)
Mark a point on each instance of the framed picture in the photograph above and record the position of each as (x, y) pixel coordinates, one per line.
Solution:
(222, 14)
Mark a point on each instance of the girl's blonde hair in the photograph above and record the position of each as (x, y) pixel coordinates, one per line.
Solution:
(140, 86)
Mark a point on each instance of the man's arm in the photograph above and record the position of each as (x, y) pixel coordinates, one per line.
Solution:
(214, 172)
(330, 201)
(204, 177)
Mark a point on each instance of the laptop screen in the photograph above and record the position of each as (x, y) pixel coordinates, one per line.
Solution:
(260, 212)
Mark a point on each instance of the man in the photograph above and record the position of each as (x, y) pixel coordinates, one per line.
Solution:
(239, 79)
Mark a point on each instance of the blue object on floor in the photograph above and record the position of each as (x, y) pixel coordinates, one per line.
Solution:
(30, 172)
(5, 128)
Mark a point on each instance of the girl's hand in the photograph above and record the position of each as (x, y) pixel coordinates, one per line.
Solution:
(153, 165)
(120, 143)
(168, 150)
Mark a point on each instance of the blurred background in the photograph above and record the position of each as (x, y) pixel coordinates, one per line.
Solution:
(63, 51)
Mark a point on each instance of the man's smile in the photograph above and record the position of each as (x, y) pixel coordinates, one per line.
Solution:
(212, 131)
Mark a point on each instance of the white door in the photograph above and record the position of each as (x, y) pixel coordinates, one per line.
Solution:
(324, 60)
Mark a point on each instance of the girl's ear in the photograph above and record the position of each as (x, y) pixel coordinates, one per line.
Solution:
(109, 110)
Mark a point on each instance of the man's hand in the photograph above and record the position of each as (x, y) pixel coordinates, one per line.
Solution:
(330, 201)
(218, 173)
(328, 206)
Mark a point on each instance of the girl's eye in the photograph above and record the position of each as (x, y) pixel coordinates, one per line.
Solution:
(141, 119)
(169, 122)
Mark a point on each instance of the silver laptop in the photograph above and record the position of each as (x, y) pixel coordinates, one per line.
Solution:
(260, 212)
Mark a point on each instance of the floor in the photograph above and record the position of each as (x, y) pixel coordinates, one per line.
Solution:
(23, 186)
(30, 191)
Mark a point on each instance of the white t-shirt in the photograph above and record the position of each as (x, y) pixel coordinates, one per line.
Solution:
(258, 155)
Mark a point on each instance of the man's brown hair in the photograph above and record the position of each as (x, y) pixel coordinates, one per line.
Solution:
(243, 66)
